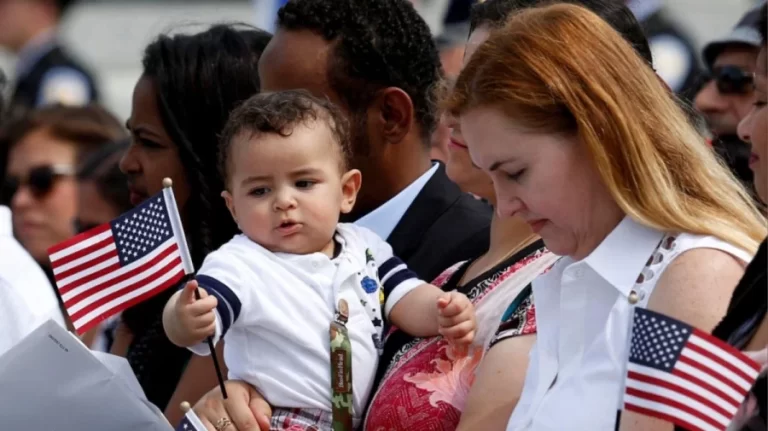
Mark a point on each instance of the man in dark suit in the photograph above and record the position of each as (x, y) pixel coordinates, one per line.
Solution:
(378, 62)
(46, 73)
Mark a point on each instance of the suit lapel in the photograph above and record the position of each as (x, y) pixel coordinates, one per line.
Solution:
(435, 198)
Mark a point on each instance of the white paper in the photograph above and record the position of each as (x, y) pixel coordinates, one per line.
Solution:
(51, 381)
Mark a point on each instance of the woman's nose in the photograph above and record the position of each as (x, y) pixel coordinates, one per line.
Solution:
(129, 162)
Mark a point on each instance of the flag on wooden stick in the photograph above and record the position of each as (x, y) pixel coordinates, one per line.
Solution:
(109, 268)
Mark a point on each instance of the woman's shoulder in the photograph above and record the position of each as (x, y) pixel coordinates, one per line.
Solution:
(682, 242)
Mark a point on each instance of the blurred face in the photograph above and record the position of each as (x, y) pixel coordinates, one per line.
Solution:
(459, 167)
(462, 171)
(286, 193)
(15, 15)
(754, 128)
(93, 209)
(547, 179)
(41, 168)
(728, 96)
(152, 155)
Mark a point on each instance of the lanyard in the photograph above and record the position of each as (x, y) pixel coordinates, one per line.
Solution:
(341, 369)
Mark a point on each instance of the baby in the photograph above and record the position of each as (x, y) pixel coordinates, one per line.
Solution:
(302, 299)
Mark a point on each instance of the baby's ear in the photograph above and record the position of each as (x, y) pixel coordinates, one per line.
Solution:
(350, 185)
(230, 203)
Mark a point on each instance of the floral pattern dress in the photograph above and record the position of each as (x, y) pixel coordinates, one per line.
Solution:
(427, 382)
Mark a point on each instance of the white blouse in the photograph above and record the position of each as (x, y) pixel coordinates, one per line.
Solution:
(582, 316)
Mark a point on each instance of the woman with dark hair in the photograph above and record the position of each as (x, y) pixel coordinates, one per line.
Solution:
(189, 85)
(745, 326)
(43, 147)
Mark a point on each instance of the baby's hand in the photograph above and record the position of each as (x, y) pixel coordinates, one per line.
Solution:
(196, 317)
(456, 318)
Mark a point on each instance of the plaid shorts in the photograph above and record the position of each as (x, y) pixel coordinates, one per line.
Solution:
(301, 420)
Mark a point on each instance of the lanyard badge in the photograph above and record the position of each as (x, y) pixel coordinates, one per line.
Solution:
(341, 369)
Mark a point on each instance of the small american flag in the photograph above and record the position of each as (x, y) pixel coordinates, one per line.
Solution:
(191, 423)
(682, 375)
(119, 264)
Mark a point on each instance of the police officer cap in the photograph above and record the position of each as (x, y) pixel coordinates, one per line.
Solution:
(746, 32)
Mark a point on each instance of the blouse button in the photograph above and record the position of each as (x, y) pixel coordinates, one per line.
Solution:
(634, 298)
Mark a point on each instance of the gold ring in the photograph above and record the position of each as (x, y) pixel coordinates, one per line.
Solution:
(222, 424)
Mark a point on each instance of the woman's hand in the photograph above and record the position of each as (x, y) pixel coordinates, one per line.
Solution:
(245, 408)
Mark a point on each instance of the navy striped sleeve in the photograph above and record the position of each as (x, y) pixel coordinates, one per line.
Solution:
(394, 272)
(229, 304)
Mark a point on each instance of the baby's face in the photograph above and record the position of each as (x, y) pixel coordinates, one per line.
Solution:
(286, 193)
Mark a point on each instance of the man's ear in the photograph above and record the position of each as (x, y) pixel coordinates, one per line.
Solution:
(230, 204)
(393, 115)
(350, 185)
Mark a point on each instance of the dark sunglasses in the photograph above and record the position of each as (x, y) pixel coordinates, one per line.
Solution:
(40, 180)
(731, 79)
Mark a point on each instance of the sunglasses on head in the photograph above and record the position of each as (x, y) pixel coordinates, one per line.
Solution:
(731, 79)
(40, 180)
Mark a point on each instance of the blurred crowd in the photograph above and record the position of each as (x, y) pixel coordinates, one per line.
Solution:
(555, 165)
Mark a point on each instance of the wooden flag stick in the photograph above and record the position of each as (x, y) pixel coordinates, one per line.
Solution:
(168, 184)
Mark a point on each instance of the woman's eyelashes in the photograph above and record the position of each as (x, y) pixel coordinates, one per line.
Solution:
(514, 176)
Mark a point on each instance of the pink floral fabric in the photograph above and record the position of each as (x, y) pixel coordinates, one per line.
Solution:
(428, 385)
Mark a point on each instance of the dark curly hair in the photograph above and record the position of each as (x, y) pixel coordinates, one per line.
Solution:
(763, 23)
(494, 13)
(200, 79)
(279, 113)
(377, 44)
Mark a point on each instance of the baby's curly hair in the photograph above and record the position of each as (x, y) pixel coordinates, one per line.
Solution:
(279, 113)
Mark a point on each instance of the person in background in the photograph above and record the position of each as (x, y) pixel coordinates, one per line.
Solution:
(674, 52)
(102, 197)
(175, 134)
(569, 154)
(728, 94)
(450, 44)
(46, 72)
(27, 299)
(745, 326)
(45, 146)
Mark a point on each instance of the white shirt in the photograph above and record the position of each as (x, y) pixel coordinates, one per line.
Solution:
(583, 317)
(385, 218)
(275, 310)
(27, 299)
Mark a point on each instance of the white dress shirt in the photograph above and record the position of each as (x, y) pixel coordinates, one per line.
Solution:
(385, 218)
(27, 299)
(275, 310)
(583, 316)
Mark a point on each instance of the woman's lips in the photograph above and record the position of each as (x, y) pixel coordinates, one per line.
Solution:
(537, 225)
(137, 198)
(753, 158)
(456, 144)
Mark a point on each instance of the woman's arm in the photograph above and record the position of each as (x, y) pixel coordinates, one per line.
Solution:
(695, 289)
(498, 385)
(198, 378)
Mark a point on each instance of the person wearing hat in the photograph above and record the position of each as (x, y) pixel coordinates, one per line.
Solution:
(728, 93)
(46, 73)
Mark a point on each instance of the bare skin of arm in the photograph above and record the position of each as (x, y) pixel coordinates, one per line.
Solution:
(198, 378)
(695, 289)
(498, 385)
